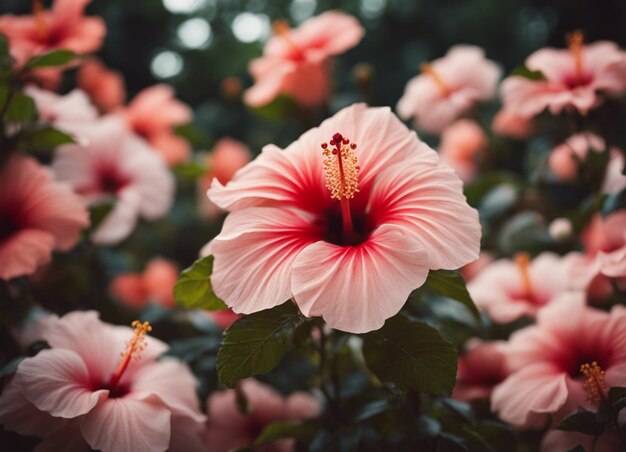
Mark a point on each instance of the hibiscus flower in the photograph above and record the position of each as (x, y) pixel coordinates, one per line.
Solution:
(347, 229)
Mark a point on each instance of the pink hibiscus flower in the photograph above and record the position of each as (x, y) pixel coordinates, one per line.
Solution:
(480, 369)
(296, 62)
(81, 393)
(462, 146)
(68, 113)
(347, 232)
(104, 86)
(152, 114)
(575, 78)
(565, 159)
(38, 216)
(63, 27)
(230, 429)
(226, 158)
(508, 124)
(114, 162)
(154, 285)
(448, 87)
(509, 289)
(567, 360)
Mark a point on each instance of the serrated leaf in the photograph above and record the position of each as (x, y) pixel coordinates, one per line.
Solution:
(21, 109)
(583, 421)
(411, 354)
(523, 71)
(194, 290)
(256, 343)
(451, 285)
(278, 430)
(50, 59)
(47, 138)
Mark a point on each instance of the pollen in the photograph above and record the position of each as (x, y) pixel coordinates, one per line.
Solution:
(429, 70)
(137, 343)
(40, 20)
(575, 41)
(594, 384)
(341, 167)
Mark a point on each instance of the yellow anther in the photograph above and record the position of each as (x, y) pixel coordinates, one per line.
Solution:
(429, 70)
(341, 168)
(523, 263)
(594, 384)
(575, 41)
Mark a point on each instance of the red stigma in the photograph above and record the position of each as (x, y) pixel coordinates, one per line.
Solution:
(337, 138)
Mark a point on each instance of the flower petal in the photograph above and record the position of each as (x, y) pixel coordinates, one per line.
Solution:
(356, 289)
(23, 252)
(536, 389)
(428, 200)
(126, 425)
(57, 381)
(254, 254)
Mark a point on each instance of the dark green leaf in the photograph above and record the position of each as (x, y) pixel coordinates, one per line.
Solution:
(411, 354)
(4, 47)
(47, 138)
(4, 94)
(523, 71)
(194, 290)
(451, 284)
(50, 59)
(278, 430)
(617, 396)
(613, 202)
(190, 170)
(21, 109)
(583, 421)
(99, 211)
(279, 108)
(256, 343)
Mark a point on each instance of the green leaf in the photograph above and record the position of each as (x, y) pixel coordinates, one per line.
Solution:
(255, 344)
(4, 47)
(4, 94)
(451, 284)
(523, 71)
(583, 421)
(411, 354)
(50, 59)
(47, 138)
(194, 290)
(190, 170)
(21, 109)
(99, 211)
(281, 107)
(304, 432)
(617, 396)
(613, 202)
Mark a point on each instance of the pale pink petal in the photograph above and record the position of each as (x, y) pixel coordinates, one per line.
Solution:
(126, 424)
(254, 254)
(18, 414)
(130, 289)
(120, 221)
(173, 148)
(345, 285)
(428, 200)
(535, 389)
(301, 405)
(57, 382)
(174, 384)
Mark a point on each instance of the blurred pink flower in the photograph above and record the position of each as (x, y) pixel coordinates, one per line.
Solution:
(509, 289)
(225, 159)
(296, 62)
(566, 158)
(154, 285)
(575, 78)
(508, 124)
(471, 270)
(560, 229)
(38, 215)
(114, 162)
(80, 392)
(104, 86)
(68, 113)
(481, 367)
(224, 318)
(152, 114)
(341, 228)
(230, 429)
(62, 27)
(448, 87)
(614, 179)
(567, 360)
(462, 145)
